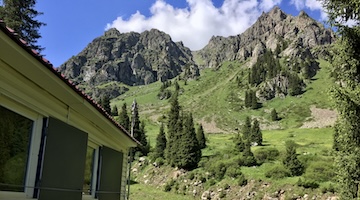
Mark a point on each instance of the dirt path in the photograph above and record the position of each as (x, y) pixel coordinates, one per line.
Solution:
(210, 127)
(320, 118)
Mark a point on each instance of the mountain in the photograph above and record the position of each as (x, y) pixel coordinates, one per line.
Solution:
(274, 30)
(128, 58)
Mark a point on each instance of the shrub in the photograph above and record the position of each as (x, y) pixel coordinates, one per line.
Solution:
(321, 171)
(159, 161)
(233, 172)
(218, 170)
(169, 185)
(191, 176)
(330, 188)
(242, 181)
(277, 172)
(307, 184)
(247, 161)
(266, 154)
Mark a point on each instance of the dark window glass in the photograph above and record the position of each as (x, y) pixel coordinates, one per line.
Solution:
(15, 132)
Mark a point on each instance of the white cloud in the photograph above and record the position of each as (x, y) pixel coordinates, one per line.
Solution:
(196, 24)
(313, 5)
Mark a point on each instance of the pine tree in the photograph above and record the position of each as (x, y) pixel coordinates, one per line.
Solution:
(139, 130)
(189, 152)
(114, 111)
(174, 128)
(346, 65)
(105, 103)
(143, 140)
(21, 17)
(160, 143)
(247, 99)
(256, 133)
(274, 115)
(254, 103)
(291, 161)
(124, 119)
(200, 136)
(239, 143)
(246, 129)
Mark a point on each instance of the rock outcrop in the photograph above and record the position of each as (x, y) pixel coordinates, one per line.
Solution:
(271, 31)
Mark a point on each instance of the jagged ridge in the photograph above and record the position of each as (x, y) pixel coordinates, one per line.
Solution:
(269, 31)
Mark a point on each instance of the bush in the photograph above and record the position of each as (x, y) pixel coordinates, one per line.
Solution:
(330, 188)
(218, 170)
(191, 176)
(233, 172)
(266, 154)
(307, 184)
(169, 185)
(277, 172)
(247, 161)
(242, 181)
(321, 171)
(160, 161)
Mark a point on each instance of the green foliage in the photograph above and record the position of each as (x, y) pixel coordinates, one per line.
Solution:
(274, 115)
(266, 154)
(21, 17)
(189, 153)
(105, 103)
(200, 136)
(307, 183)
(320, 171)
(160, 143)
(233, 171)
(267, 66)
(242, 181)
(239, 143)
(168, 186)
(139, 131)
(174, 129)
(291, 162)
(346, 64)
(246, 129)
(256, 135)
(277, 172)
(124, 119)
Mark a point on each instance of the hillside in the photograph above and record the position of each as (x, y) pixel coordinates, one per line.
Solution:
(279, 64)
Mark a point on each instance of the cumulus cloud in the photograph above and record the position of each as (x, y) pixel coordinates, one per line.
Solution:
(313, 5)
(196, 24)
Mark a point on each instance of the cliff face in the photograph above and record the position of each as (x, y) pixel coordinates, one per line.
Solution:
(271, 31)
(130, 58)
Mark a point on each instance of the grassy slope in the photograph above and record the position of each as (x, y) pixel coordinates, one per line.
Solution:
(216, 97)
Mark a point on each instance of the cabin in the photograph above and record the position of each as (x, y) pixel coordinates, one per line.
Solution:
(56, 143)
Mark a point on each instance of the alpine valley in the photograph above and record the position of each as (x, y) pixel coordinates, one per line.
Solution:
(276, 73)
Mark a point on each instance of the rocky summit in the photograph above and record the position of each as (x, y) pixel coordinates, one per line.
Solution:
(274, 30)
(130, 58)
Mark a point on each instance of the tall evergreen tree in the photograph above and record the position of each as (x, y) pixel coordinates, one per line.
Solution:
(105, 103)
(160, 143)
(174, 128)
(346, 65)
(21, 17)
(139, 130)
(256, 135)
(254, 103)
(114, 111)
(200, 136)
(239, 143)
(291, 162)
(274, 115)
(124, 119)
(189, 152)
(246, 129)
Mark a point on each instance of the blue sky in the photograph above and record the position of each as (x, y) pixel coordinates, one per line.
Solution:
(71, 25)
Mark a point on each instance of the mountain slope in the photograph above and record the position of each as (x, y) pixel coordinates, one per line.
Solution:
(274, 30)
(131, 59)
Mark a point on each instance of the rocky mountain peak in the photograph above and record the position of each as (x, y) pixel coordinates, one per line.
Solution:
(129, 58)
(271, 30)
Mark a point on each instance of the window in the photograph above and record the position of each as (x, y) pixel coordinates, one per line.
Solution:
(15, 133)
